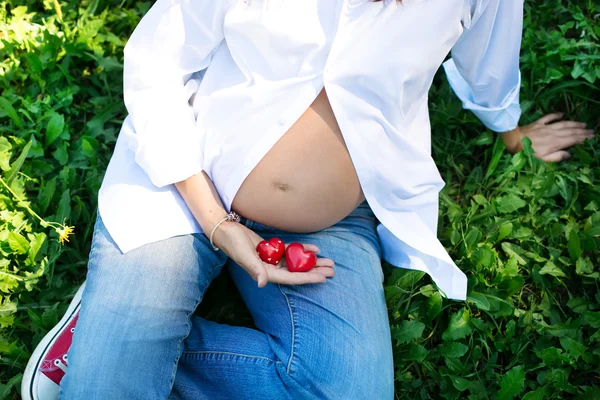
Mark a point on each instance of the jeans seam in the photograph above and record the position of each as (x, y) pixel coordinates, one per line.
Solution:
(189, 326)
(233, 354)
(180, 341)
(293, 344)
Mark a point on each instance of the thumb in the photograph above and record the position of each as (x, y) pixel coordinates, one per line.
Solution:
(262, 278)
(258, 272)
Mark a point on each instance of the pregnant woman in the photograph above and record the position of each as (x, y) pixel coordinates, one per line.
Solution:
(309, 119)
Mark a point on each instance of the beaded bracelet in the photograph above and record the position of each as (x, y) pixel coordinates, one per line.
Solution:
(231, 216)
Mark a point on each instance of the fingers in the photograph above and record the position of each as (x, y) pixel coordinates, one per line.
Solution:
(584, 133)
(557, 156)
(323, 270)
(308, 247)
(557, 137)
(546, 119)
(321, 262)
(569, 141)
(569, 125)
(327, 272)
(325, 262)
(283, 276)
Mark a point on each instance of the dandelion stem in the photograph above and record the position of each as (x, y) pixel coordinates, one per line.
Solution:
(23, 204)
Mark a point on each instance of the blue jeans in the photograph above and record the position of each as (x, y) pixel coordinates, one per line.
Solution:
(137, 336)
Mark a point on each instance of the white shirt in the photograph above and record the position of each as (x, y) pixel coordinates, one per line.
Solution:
(212, 85)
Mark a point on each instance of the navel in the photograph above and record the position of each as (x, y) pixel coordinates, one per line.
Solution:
(284, 187)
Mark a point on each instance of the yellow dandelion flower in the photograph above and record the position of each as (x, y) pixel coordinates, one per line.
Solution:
(63, 234)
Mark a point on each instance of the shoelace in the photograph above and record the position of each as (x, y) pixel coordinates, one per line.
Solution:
(60, 364)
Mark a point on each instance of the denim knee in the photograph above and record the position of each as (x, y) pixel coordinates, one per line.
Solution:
(134, 315)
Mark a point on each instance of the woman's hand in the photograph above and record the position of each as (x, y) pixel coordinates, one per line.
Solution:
(239, 243)
(549, 137)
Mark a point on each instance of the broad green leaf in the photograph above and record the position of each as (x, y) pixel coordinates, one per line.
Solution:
(61, 153)
(460, 383)
(455, 365)
(409, 279)
(509, 203)
(46, 194)
(480, 324)
(86, 147)
(505, 230)
(5, 153)
(562, 330)
(415, 352)
(512, 383)
(427, 290)
(11, 112)
(515, 252)
(511, 268)
(574, 246)
(8, 282)
(434, 305)
(7, 307)
(551, 269)
(452, 349)
(512, 286)
(591, 318)
(579, 305)
(409, 330)
(64, 206)
(459, 326)
(553, 357)
(16, 166)
(540, 393)
(36, 242)
(473, 237)
(54, 128)
(17, 242)
(479, 199)
(584, 266)
(484, 257)
(510, 329)
(519, 160)
(480, 300)
(572, 347)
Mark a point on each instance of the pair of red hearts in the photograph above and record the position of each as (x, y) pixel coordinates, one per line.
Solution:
(298, 260)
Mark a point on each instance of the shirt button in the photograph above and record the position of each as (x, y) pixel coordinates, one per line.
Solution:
(281, 122)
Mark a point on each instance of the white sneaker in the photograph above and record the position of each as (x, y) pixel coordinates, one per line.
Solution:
(48, 363)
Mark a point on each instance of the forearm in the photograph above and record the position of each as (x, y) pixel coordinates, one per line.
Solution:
(203, 200)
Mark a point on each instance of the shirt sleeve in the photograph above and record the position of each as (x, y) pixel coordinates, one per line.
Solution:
(174, 39)
(484, 68)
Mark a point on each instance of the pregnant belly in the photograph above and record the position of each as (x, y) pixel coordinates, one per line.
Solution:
(306, 182)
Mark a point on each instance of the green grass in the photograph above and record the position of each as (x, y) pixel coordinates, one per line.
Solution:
(526, 233)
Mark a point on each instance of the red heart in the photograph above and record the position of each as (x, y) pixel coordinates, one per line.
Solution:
(271, 251)
(299, 260)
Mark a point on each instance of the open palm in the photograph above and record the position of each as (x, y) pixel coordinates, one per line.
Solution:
(239, 243)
